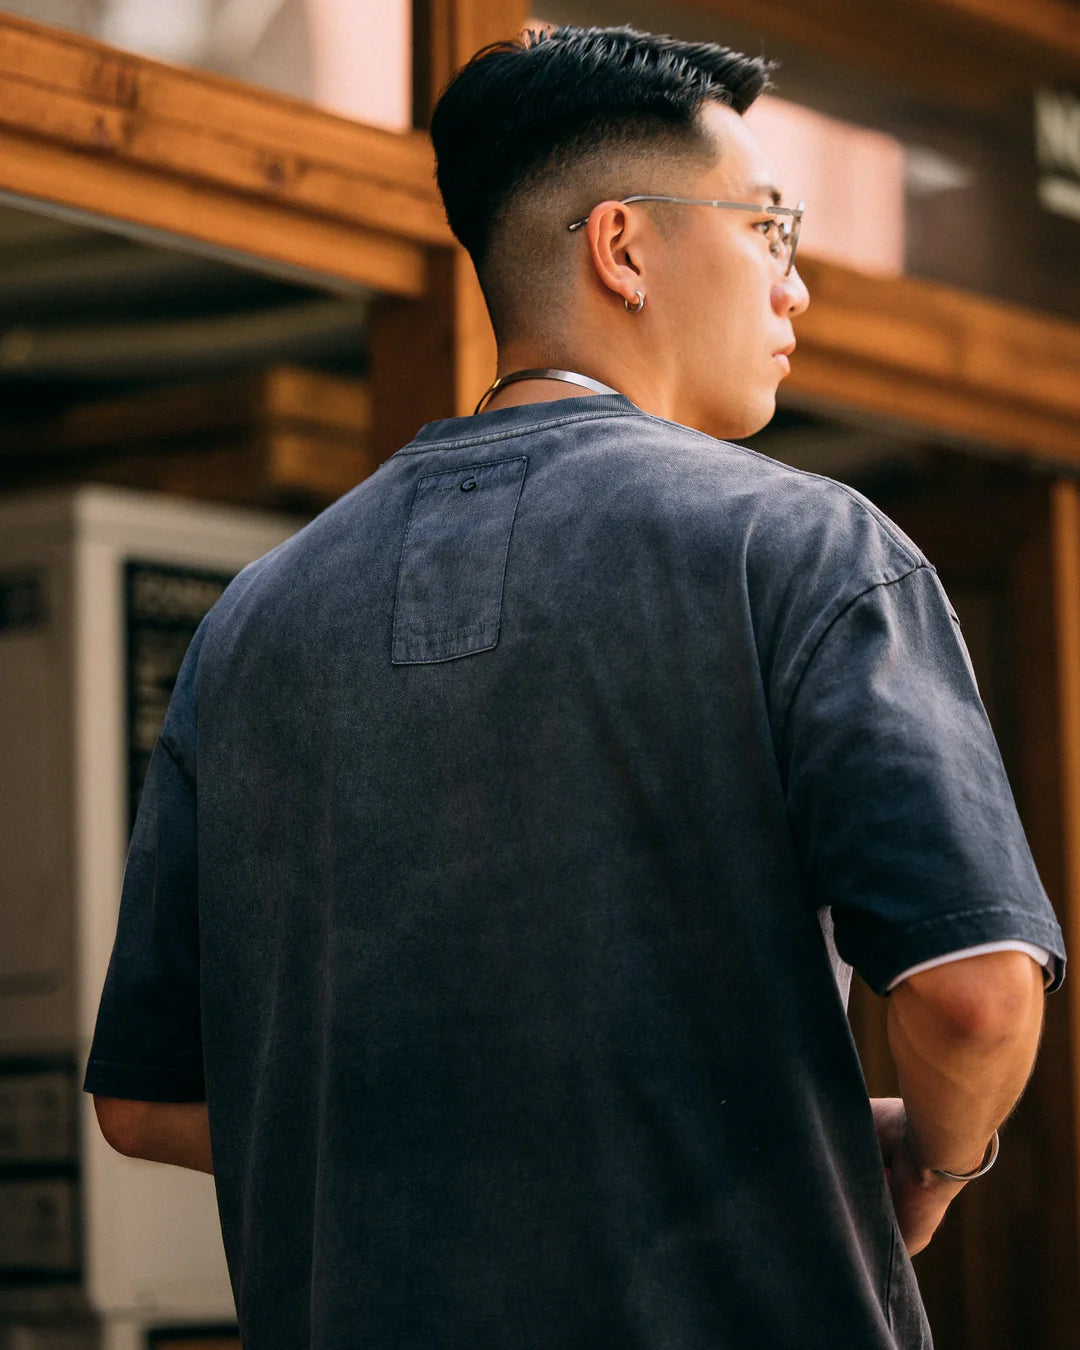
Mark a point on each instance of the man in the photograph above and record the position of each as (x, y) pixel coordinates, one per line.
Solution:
(486, 870)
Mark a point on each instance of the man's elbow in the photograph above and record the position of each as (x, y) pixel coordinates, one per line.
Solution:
(122, 1123)
(981, 1000)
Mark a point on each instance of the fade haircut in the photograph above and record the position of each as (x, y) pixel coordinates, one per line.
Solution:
(561, 119)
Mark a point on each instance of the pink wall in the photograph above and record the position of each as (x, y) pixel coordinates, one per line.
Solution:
(852, 180)
(362, 60)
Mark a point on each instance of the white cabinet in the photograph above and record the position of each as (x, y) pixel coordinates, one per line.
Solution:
(100, 590)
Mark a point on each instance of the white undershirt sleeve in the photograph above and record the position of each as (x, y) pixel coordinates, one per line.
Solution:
(1038, 954)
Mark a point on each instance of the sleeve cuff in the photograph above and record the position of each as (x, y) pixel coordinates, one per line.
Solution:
(884, 962)
(1038, 954)
(141, 1084)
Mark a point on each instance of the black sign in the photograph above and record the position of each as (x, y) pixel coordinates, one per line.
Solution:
(164, 605)
(22, 599)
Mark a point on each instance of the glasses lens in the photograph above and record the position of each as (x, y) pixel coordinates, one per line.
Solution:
(791, 239)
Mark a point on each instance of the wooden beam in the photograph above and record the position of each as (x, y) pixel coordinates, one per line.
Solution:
(931, 356)
(1013, 1245)
(405, 341)
(1052, 25)
(281, 397)
(1065, 543)
(970, 53)
(411, 360)
(445, 34)
(1042, 606)
(281, 436)
(194, 154)
(156, 94)
(254, 166)
(141, 198)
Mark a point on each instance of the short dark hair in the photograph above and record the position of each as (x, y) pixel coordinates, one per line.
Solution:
(521, 110)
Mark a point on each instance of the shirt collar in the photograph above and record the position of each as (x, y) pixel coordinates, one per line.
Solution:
(505, 421)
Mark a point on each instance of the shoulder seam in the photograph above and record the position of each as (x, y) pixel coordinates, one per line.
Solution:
(177, 758)
(877, 585)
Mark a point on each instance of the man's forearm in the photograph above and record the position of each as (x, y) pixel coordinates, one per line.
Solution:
(166, 1132)
(964, 1038)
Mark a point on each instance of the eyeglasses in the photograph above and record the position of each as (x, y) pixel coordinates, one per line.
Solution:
(786, 229)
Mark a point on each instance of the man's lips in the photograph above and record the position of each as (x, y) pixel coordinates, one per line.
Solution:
(782, 357)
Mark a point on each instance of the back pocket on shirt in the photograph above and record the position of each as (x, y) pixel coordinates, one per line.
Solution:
(453, 562)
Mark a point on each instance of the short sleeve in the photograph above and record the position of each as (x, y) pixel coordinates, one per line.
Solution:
(899, 803)
(147, 1043)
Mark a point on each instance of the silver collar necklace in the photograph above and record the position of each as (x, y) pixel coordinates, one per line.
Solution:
(569, 376)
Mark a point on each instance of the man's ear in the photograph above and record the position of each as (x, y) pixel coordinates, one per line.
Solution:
(617, 248)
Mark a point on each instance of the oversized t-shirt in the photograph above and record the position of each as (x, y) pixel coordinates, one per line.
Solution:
(477, 885)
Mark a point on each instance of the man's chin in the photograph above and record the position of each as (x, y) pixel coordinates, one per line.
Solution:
(725, 425)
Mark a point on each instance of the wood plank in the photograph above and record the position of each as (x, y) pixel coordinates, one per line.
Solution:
(1065, 525)
(295, 469)
(476, 354)
(1052, 24)
(446, 33)
(412, 365)
(314, 467)
(141, 196)
(80, 67)
(1044, 1182)
(831, 383)
(196, 153)
(296, 394)
(968, 53)
(931, 356)
(72, 89)
(926, 328)
(274, 396)
(1011, 1243)
(281, 436)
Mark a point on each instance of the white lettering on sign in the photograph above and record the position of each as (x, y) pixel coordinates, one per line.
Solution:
(163, 594)
(1057, 130)
(1057, 144)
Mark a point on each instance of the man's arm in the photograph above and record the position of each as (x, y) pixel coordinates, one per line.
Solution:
(168, 1132)
(963, 1037)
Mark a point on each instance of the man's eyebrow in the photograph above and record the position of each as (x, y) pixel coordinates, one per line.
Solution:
(767, 190)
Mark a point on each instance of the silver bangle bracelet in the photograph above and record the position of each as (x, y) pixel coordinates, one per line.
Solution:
(970, 1176)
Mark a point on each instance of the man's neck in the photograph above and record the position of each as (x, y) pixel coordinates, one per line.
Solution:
(636, 374)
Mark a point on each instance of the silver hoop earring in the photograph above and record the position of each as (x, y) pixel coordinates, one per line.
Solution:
(636, 309)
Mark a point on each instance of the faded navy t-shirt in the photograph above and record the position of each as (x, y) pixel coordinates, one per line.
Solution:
(476, 884)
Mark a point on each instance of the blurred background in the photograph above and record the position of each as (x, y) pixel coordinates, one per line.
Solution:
(227, 292)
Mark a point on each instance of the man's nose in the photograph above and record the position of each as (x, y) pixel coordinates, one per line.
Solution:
(789, 295)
